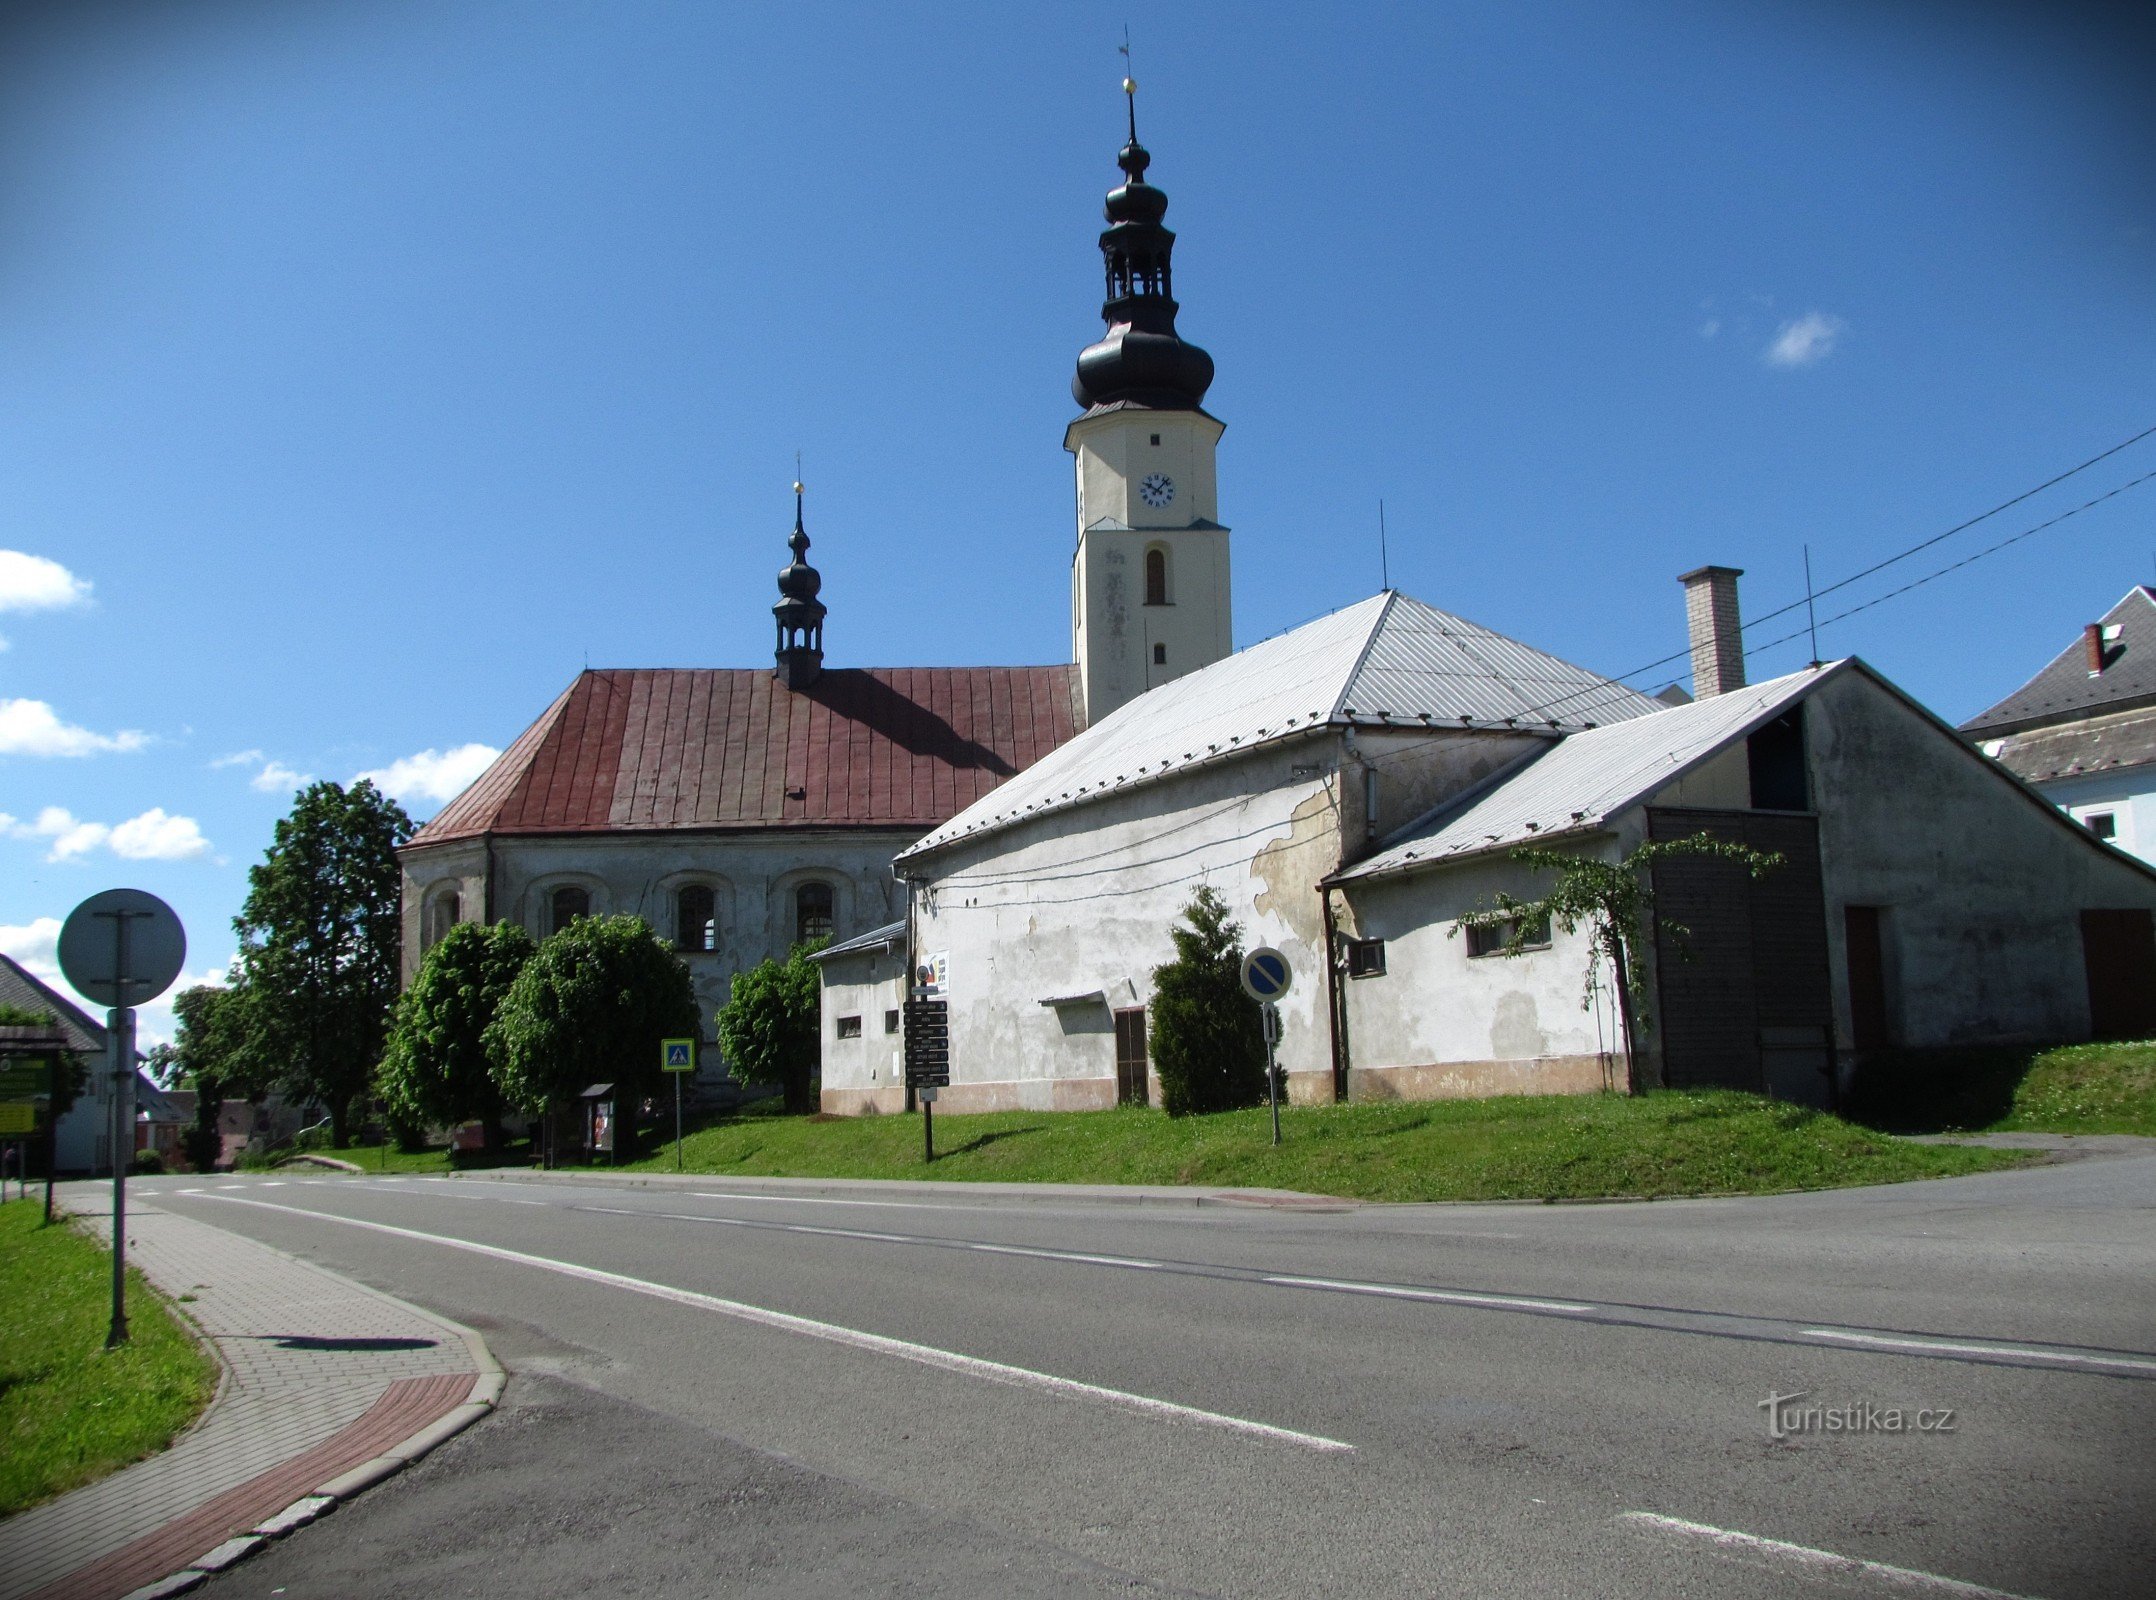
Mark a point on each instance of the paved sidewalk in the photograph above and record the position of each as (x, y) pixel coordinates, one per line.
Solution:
(327, 1386)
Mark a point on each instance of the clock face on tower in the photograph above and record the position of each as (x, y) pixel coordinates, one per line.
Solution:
(1157, 489)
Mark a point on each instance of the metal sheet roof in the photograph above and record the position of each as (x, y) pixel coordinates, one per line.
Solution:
(2099, 744)
(646, 748)
(1584, 782)
(883, 938)
(1389, 661)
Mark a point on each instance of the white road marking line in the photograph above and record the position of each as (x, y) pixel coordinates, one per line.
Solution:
(497, 1199)
(1907, 1580)
(831, 1332)
(271, 1183)
(1944, 1348)
(1504, 1302)
(1070, 1255)
(187, 1191)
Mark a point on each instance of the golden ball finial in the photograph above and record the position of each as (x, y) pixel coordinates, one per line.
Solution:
(797, 486)
(1130, 85)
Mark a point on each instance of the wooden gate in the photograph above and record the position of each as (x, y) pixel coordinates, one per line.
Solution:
(1744, 1001)
(2118, 948)
(1130, 1085)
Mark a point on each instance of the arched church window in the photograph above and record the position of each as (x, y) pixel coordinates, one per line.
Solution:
(444, 911)
(814, 916)
(696, 918)
(1156, 577)
(569, 903)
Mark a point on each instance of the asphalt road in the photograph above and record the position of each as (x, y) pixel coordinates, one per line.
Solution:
(716, 1391)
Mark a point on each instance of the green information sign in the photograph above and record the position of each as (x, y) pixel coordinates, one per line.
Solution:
(677, 1055)
(25, 1080)
(17, 1117)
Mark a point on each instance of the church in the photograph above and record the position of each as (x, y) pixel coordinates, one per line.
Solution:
(739, 810)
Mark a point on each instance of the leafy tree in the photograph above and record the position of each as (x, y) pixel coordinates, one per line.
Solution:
(590, 1006)
(214, 1054)
(769, 1028)
(319, 943)
(1614, 900)
(1208, 1036)
(437, 1069)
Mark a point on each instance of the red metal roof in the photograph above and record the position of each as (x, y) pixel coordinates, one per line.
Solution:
(649, 748)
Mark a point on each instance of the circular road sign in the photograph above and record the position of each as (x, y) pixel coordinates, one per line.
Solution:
(1265, 974)
(91, 946)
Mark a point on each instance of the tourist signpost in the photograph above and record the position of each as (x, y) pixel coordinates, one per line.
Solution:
(928, 1058)
(1265, 979)
(677, 1058)
(121, 949)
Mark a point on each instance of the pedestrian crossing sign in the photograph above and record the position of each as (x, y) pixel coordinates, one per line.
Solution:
(678, 1055)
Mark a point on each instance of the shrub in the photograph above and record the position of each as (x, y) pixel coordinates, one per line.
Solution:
(1208, 1036)
(769, 1027)
(436, 1069)
(147, 1164)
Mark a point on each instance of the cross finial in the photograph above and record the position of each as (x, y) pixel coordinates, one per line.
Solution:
(797, 488)
(1130, 84)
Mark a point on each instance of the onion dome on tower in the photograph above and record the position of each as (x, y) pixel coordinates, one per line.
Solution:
(800, 614)
(1142, 361)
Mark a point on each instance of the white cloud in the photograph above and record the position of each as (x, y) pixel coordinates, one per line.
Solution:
(33, 728)
(273, 778)
(1804, 340)
(152, 836)
(437, 775)
(33, 583)
(36, 944)
(1711, 327)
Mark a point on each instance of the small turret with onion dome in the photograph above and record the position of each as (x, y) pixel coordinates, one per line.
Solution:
(800, 614)
(1141, 361)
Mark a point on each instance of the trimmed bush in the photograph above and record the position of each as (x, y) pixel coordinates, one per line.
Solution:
(1208, 1036)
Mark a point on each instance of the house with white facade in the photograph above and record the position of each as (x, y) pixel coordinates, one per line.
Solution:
(1355, 787)
(2083, 730)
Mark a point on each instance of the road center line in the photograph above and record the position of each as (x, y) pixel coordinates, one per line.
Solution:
(1905, 1580)
(872, 1237)
(826, 1200)
(834, 1333)
(1504, 1302)
(2016, 1352)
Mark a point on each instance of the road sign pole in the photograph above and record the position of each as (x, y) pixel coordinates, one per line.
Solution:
(120, 1030)
(677, 1122)
(1272, 1072)
(928, 1126)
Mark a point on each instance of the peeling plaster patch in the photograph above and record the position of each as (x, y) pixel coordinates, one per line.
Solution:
(1516, 1029)
(1290, 867)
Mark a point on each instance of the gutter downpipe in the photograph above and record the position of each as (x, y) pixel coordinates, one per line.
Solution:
(1335, 1001)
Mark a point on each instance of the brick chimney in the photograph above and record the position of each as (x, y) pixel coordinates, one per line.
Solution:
(2093, 637)
(1711, 617)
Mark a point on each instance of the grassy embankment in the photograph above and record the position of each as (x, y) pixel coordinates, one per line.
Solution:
(2079, 1088)
(71, 1411)
(1515, 1148)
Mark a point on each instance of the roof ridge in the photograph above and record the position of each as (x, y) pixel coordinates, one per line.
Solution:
(1369, 643)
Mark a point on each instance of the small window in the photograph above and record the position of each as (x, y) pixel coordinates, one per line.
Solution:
(2104, 824)
(849, 1027)
(1496, 938)
(1365, 958)
(813, 914)
(890, 1022)
(444, 911)
(1160, 655)
(1156, 577)
(569, 903)
(1156, 439)
(696, 918)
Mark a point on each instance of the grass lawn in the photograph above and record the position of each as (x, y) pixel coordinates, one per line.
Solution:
(379, 1158)
(69, 1410)
(2079, 1088)
(1513, 1148)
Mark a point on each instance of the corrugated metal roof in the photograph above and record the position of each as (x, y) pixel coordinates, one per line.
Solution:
(883, 938)
(1389, 661)
(647, 748)
(2066, 688)
(1584, 782)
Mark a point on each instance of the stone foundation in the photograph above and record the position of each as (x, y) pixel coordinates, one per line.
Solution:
(1475, 1080)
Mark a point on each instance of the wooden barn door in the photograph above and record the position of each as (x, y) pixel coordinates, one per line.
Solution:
(1744, 1000)
(2119, 950)
(1130, 1086)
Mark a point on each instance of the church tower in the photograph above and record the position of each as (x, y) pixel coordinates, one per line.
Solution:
(1149, 584)
(799, 614)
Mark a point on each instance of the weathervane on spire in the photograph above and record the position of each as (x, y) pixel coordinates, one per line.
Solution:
(1130, 84)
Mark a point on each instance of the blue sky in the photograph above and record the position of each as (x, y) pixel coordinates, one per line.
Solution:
(371, 368)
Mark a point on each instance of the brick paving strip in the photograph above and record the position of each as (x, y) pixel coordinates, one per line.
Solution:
(327, 1387)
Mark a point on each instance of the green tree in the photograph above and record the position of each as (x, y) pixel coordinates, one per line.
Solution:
(437, 1069)
(214, 1055)
(590, 1006)
(769, 1028)
(319, 943)
(1614, 901)
(1208, 1036)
